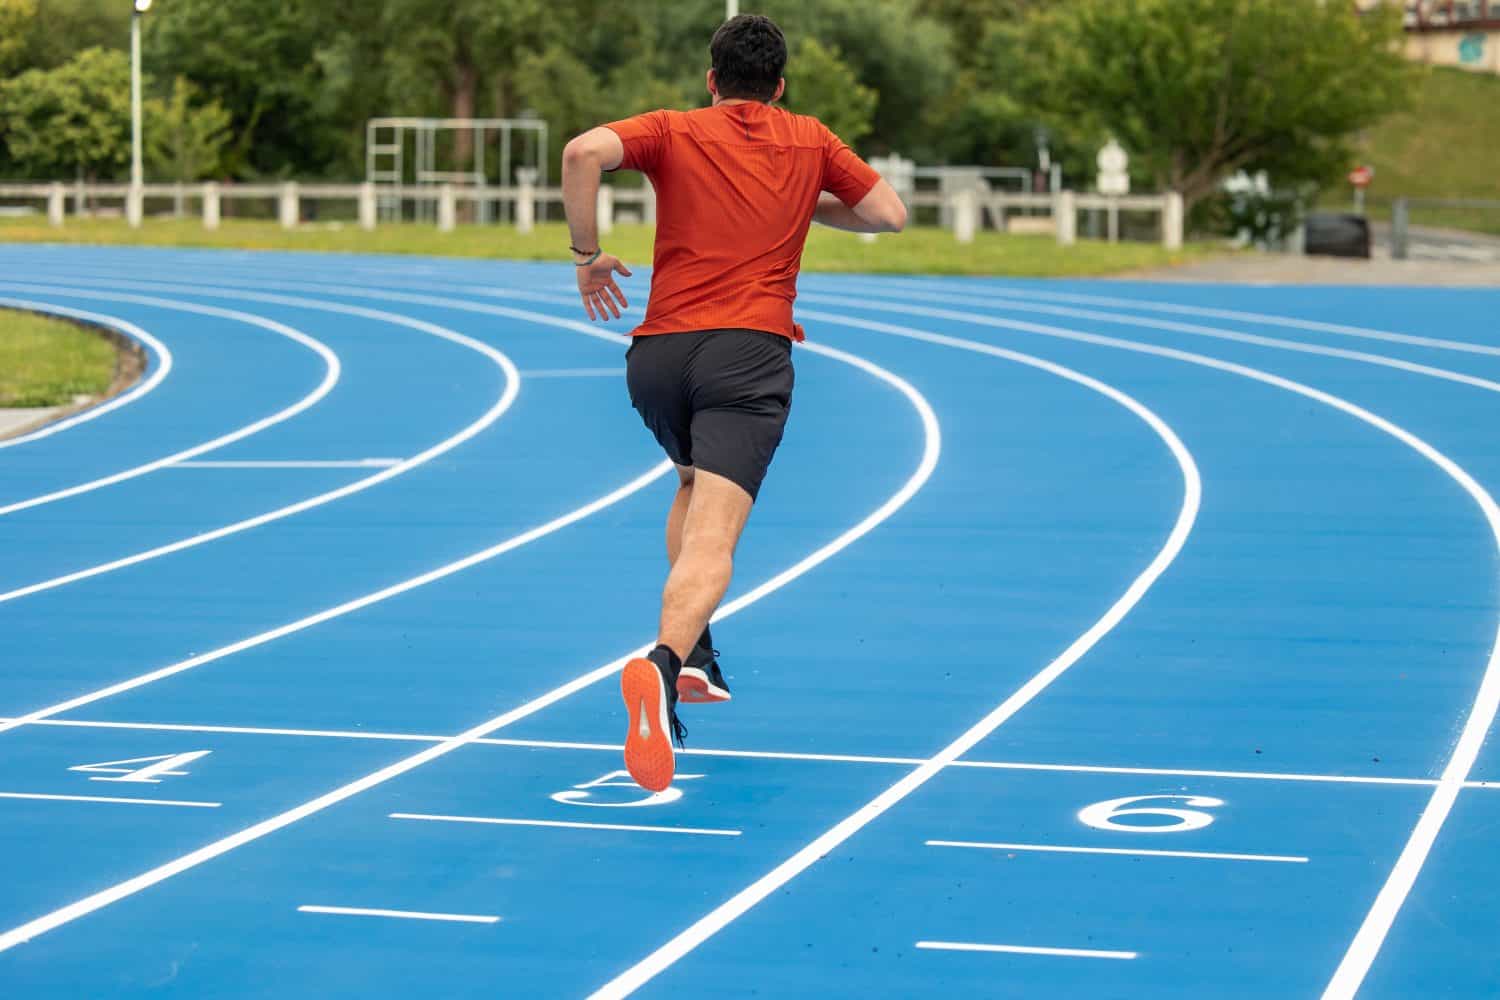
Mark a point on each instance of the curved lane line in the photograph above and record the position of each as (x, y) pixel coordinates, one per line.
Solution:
(130, 330)
(330, 379)
(507, 396)
(1218, 333)
(932, 446)
(756, 892)
(1154, 305)
(1377, 923)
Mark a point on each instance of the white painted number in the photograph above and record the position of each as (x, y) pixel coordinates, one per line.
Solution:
(155, 768)
(1107, 815)
(582, 795)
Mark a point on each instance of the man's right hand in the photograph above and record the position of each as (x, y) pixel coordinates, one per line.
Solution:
(596, 285)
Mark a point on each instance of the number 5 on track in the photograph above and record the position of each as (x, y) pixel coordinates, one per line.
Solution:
(164, 766)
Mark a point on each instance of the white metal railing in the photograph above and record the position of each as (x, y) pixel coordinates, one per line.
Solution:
(967, 208)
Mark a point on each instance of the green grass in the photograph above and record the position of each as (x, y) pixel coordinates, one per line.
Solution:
(1446, 146)
(46, 362)
(916, 251)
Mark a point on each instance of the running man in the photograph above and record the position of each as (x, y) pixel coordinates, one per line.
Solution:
(710, 370)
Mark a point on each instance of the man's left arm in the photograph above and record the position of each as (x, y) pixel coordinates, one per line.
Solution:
(584, 160)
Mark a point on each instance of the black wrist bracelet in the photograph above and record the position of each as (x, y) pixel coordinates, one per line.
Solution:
(586, 263)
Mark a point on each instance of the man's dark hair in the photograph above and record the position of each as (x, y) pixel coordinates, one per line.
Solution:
(749, 54)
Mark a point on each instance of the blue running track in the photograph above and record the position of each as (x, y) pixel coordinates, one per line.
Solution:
(1090, 639)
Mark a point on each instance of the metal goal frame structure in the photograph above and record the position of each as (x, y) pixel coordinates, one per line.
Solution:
(386, 157)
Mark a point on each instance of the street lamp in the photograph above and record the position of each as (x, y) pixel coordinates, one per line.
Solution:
(137, 179)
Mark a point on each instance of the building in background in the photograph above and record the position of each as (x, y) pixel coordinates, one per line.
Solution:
(1461, 33)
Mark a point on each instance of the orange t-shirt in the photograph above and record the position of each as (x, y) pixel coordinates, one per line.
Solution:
(736, 186)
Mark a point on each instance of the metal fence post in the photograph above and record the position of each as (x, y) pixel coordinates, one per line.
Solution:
(447, 209)
(135, 206)
(605, 209)
(1400, 229)
(526, 199)
(1172, 220)
(965, 214)
(56, 204)
(1065, 216)
(291, 208)
(367, 206)
(211, 205)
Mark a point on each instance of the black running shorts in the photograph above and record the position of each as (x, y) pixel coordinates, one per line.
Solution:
(716, 400)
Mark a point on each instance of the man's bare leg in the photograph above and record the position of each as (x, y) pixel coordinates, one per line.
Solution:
(715, 514)
(677, 515)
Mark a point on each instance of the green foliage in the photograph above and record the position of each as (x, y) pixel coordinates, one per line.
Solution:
(822, 85)
(1197, 89)
(75, 118)
(15, 17)
(184, 137)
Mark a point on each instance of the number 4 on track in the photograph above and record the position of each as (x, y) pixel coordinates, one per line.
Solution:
(164, 766)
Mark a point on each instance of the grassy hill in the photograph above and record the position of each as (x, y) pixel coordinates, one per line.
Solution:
(1446, 146)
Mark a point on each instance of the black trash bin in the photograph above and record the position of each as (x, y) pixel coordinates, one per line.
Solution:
(1334, 234)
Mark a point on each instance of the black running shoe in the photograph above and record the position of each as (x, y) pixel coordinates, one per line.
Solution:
(651, 703)
(700, 680)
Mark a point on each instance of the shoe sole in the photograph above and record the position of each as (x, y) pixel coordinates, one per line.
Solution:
(648, 741)
(693, 686)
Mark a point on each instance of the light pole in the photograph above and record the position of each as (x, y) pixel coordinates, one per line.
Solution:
(134, 204)
(731, 9)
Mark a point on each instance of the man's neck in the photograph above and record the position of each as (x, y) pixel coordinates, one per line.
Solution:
(726, 101)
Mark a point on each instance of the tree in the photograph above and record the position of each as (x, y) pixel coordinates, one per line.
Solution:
(1198, 89)
(260, 62)
(15, 17)
(72, 119)
(184, 137)
(821, 84)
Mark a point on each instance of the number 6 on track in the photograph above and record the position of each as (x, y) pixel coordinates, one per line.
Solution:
(1106, 815)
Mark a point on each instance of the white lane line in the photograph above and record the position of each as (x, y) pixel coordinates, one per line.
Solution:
(932, 439)
(507, 397)
(354, 463)
(717, 919)
(338, 611)
(109, 799)
(330, 379)
(1020, 949)
(1020, 305)
(358, 911)
(1377, 923)
(908, 290)
(628, 827)
(156, 347)
(573, 372)
(836, 758)
(1136, 852)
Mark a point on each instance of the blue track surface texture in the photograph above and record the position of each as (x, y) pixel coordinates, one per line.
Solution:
(1089, 639)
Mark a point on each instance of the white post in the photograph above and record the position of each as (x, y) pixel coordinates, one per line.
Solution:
(291, 207)
(211, 205)
(55, 204)
(731, 9)
(526, 199)
(604, 209)
(1065, 215)
(447, 209)
(1172, 221)
(367, 206)
(133, 202)
(1113, 220)
(965, 214)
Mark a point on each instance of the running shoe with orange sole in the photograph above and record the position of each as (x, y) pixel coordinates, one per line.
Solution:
(648, 741)
(701, 681)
